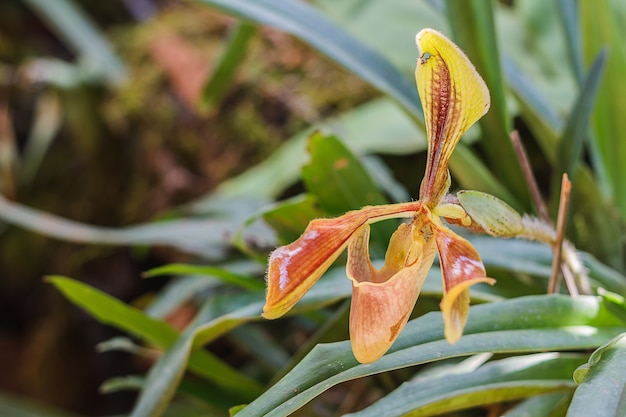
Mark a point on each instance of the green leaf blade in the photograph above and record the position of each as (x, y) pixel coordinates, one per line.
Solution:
(503, 380)
(526, 324)
(224, 274)
(603, 389)
(577, 127)
(601, 30)
(225, 69)
(111, 311)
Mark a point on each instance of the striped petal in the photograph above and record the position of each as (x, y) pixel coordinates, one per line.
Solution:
(461, 267)
(454, 97)
(382, 301)
(293, 269)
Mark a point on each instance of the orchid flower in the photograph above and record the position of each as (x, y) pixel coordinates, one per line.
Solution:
(454, 97)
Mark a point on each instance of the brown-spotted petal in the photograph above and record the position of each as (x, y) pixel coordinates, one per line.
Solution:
(454, 97)
(294, 268)
(382, 301)
(461, 267)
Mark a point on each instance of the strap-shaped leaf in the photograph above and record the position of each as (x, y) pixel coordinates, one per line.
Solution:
(601, 28)
(526, 324)
(498, 381)
(603, 386)
(112, 311)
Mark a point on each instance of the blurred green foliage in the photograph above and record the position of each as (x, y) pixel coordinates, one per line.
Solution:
(189, 139)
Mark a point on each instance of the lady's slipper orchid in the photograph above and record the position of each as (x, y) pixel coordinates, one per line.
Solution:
(454, 97)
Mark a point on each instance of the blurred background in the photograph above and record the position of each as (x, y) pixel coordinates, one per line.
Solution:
(121, 114)
(101, 122)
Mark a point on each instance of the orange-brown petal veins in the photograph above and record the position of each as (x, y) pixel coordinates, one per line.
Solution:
(380, 309)
(454, 97)
(294, 268)
(359, 265)
(461, 267)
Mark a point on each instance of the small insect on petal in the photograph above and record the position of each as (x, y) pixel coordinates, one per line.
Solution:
(454, 97)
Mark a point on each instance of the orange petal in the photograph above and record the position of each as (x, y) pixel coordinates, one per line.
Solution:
(455, 308)
(461, 267)
(454, 97)
(401, 246)
(380, 309)
(293, 269)
(359, 266)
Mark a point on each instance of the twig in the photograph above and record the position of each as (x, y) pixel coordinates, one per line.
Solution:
(577, 268)
(566, 187)
(542, 210)
(570, 274)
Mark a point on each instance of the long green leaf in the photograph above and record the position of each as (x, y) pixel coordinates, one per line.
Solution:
(498, 381)
(600, 30)
(603, 388)
(189, 235)
(526, 324)
(224, 274)
(216, 401)
(111, 311)
(568, 13)
(226, 67)
(547, 405)
(577, 127)
(163, 379)
(218, 315)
